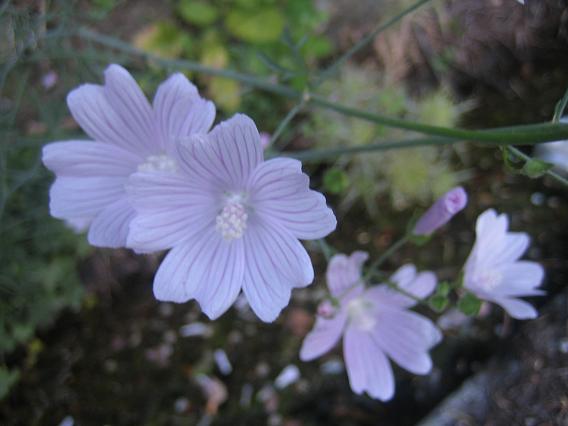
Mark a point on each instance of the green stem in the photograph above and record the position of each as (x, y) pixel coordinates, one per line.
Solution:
(526, 134)
(284, 123)
(386, 255)
(550, 173)
(366, 40)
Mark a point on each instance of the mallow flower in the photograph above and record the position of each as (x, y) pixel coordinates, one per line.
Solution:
(493, 271)
(442, 211)
(376, 324)
(128, 134)
(232, 221)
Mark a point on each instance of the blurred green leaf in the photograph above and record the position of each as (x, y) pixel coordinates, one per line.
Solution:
(535, 168)
(7, 379)
(439, 302)
(469, 304)
(256, 26)
(335, 180)
(164, 39)
(226, 92)
(199, 13)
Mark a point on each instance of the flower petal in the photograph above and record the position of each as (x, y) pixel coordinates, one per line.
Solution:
(83, 198)
(323, 337)
(518, 309)
(280, 192)
(110, 226)
(117, 113)
(224, 158)
(276, 262)
(88, 158)
(520, 277)
(169, 211)
(180, 112)
(367, 366)
(406, 337)
(343, 273)
(206, 268)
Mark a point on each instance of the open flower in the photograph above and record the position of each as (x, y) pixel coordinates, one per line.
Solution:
(233, 221)
(376, 325)
(493, 271)
(442, 211)
(128, 135)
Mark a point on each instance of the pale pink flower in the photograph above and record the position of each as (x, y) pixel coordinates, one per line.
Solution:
(493, 271)
(376, 324)
(128, 134)
(233, 221)
(440, 213)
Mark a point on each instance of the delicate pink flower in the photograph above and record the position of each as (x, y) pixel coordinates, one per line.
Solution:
(233, 221)
(441, 211)
(375, 324)
(128, 134)
(493, 271)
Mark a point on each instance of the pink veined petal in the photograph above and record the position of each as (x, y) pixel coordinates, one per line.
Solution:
(110, 226)
(179, 111)
(91, 108)
(128, 100)
(515, 244)
(516, 308)
(422, 286)
(406, 337)
(521, 277)
(343, 272)
(404, 275)
(83, 198)
(276, 262)
(280, 192)
(169, 211)
(206, 268)
(323, 337)
(88, 158)
(368, 368)
(226, 156)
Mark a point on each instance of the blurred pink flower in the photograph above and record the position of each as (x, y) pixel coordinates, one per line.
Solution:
(128, 135)
(264, 139)
(375, 324)
(232, 220)
(493, 271)
(441, 211)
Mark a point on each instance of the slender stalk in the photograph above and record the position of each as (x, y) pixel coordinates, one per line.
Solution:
(366, 40)
(284, 123)
(326, 249)
(386, 255)
(526, 134)
(550, 173)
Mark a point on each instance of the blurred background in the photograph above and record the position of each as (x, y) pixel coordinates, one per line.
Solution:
(82, 340)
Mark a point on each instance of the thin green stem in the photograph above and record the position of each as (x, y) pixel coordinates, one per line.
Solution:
(560, 107)
(526, 134)
(525, 157)
(284, 123)
(385, 256)
(367, 39)
(326, 249)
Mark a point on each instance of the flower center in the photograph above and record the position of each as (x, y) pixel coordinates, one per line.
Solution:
(231, 223)
(361, 313)
(158, 163)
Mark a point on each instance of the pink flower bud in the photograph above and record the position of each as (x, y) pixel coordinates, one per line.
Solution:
(441, 211)
(326, 309)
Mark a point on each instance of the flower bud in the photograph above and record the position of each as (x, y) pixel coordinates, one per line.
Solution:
(441, 211)
(326, 309)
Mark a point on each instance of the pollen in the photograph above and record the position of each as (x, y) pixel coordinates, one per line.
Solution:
(158, 163)
(231, 223)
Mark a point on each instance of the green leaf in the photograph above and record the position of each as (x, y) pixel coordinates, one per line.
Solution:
(226, 92)
(419, 240)
(335, 180)
(198, 13)
(560, 107)
(7, 379)
(439, 302)
(258, 26)
(469, 304)
(535, 168)
(443, 288)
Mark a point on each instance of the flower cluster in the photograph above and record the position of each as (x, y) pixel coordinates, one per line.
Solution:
(157, 177)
